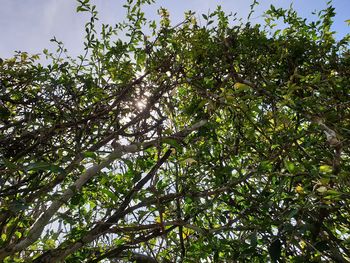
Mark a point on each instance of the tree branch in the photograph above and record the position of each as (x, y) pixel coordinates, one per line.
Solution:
(38, 227)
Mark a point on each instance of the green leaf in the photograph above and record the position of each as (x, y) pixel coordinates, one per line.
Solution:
(253, 239)
(289, 166)
(43, 166)
(18, 205)
(333, 192)
(136, 177)
(109, 193)
(118, 242)
(322, 245)
(91, 155)
(81, 9)
(293, 213)
(172, 142)
(11, 165)
(4, 113)
(18, 234)
(275, 250)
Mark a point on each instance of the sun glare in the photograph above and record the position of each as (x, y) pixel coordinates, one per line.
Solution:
(141, 104)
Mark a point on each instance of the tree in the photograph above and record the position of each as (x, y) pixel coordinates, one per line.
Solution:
(197, 142)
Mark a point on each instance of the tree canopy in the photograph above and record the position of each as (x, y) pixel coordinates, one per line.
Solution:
(212, 140)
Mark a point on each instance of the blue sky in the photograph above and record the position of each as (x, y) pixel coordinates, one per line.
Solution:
(29, 25)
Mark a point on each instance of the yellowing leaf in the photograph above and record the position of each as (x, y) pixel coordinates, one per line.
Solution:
(325, 169)
(348, 22)
(230, 98)
(50, 243)
(241, 86)
(324, 181)
(321, 189)
(186, 232)
(173, 92)
(299, 189)
(3, 237)
(127, 238)
(190, 161)
(173, 150)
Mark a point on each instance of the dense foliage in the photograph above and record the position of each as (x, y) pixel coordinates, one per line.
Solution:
(207, 141)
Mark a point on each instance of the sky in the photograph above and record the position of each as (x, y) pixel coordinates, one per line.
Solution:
(29, 25)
